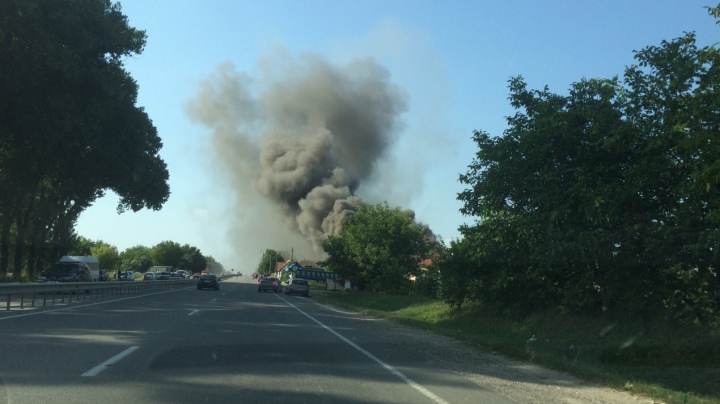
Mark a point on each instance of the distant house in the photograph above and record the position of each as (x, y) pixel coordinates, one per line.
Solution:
(425, 264)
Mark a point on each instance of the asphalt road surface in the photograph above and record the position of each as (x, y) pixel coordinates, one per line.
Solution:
(197, 346)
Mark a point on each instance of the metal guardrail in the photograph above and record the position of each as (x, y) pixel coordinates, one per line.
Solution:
(84, 290)
(80, 290)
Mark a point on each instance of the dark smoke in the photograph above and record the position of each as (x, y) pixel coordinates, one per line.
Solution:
(303, 134)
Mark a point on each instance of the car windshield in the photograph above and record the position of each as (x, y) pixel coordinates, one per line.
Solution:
(63, 269)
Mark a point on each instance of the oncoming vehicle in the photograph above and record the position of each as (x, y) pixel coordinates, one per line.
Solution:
(269, 283)
(149, 276)
(163, 276)
(208, 281)
(66, 271)
(298, 286)
(196, 275)
(177, 275)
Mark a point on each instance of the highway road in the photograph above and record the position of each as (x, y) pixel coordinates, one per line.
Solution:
(231, 346)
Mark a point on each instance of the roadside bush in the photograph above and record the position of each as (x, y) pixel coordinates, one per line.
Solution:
(428, 283)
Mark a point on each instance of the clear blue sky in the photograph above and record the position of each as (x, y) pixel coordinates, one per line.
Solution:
(452, 59)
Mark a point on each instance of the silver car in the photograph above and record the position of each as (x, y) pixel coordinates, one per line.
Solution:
(298, 287)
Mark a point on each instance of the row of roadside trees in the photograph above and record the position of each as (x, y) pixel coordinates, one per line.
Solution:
(606, 199)
(602, 200)
(140, 258)
(70, 128)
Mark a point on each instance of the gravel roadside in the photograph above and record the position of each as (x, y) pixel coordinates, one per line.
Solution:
(522, 382)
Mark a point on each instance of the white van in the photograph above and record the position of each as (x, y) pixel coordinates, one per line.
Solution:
(91, 262)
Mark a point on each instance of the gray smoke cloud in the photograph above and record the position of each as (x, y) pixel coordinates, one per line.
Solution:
(302, 133)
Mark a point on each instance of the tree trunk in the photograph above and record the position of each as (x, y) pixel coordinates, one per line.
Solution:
(21, 240)
(5, 243)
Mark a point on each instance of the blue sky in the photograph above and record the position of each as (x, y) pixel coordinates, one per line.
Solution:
(452, 60)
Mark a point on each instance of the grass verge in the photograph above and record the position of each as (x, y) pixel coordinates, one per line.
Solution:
(670, 362)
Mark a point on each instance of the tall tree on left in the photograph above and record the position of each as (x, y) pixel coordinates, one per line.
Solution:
(70, 128)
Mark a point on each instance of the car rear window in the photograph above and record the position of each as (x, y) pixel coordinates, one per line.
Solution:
(300, 282)
(207, 277)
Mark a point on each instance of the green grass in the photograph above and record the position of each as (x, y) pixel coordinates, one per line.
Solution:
(24, 277)
(670, 362)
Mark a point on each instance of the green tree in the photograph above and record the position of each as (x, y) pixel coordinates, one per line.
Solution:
(192, 259)
(83, 246)
(168, 253)
(378, 249)
(213, 266)
(107, 255)
(602, 199)
(69, 125)
(136, 259)
(268, 260)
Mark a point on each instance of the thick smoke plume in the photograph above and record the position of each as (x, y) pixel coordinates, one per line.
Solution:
(302, 133)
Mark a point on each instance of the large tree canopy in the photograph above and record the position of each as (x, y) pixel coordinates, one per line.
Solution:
(602, 199)
(69, 124)
(378, 249)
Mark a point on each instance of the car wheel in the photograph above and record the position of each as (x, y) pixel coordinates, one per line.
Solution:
(307, 294)
(217, 288)
(198, 288)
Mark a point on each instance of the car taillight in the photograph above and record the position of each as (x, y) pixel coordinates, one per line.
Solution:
(273, 283)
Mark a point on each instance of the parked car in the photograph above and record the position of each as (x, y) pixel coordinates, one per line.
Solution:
(208, 282)
(298, 286)
(163, 276)
(269, 283)
(149, 276)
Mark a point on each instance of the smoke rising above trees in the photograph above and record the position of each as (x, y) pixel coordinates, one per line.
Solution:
(303, 133)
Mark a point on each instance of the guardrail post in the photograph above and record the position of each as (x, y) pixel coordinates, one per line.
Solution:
(8, 303)
(62, 296)
(22, 301)
(33, 300)
(44, 298)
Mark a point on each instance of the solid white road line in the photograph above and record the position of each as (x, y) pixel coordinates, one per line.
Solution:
(115, 359)
(193, 312)
(427, 393)
(87, 305)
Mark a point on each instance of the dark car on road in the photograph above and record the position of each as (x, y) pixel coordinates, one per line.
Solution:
(208, 282)
(163, 276)
(126, 276)
(269, 283)
(297, 287)
(177, 275)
